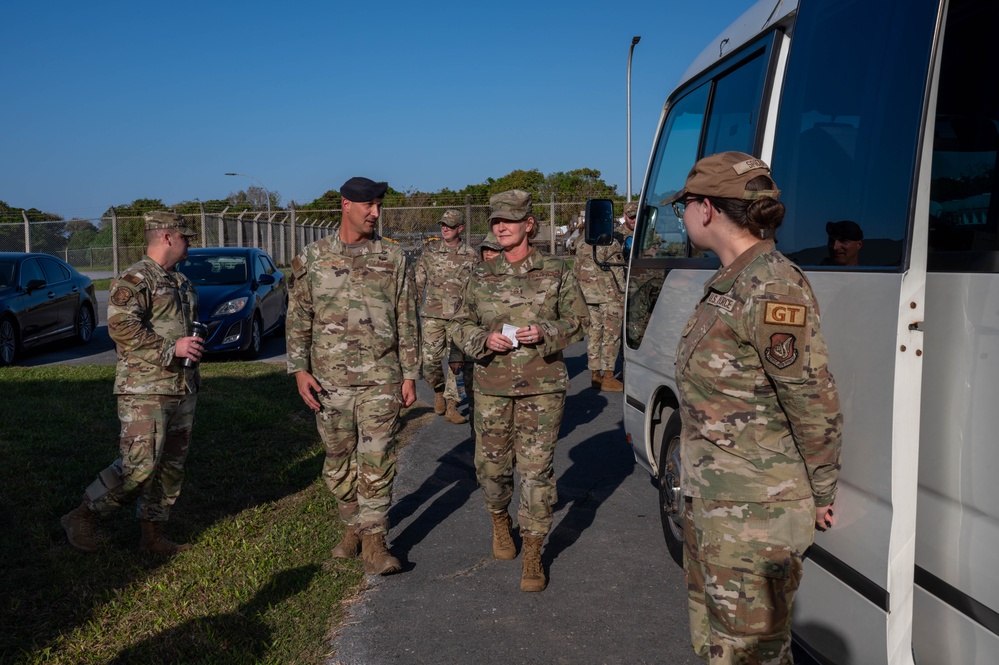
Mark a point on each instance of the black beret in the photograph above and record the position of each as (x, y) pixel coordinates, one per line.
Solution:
(847, 230)
(362, 190)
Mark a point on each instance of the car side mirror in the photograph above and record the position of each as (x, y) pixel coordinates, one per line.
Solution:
(599, 222)
(34, 285)
(266, 279)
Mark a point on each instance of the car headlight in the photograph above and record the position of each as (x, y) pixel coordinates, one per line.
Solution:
(230, 307)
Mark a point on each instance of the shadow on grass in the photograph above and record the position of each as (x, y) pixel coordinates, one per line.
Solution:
(247, 635)
(254, 442)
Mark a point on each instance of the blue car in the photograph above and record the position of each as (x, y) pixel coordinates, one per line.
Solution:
(42, 299)
(242, 297)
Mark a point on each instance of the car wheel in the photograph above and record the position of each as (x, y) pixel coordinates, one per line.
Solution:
(85, 325)
(670, 496)
(256, 339)
(8, 341)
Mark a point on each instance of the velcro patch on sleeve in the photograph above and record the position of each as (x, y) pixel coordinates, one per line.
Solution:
(121, 296)
(785, 314)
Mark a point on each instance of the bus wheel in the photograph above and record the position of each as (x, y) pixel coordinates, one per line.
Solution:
(670, 495)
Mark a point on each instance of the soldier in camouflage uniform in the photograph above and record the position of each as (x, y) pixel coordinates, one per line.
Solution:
(352, 346)
(441, 274)
(604, 294)
(150, 311)
(761, 419)
(626, 233)
(519, 311)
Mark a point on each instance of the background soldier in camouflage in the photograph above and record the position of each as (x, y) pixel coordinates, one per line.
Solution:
(626, 232)
(352, 346)
(761, 418)
(150, 312)
(604, 294)
(441, 274)
(519, 311)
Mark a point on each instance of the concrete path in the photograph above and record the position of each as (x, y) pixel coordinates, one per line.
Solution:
(614, 595)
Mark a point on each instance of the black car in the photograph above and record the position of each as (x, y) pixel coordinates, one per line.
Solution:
(241, 297)
(42, 299)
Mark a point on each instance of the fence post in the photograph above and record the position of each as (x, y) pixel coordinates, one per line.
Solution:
(221, 240)
(291, 234)
(468, 219)
(239, 229)
(270, 234)
(256, 230)
(114, 243)
(27, 232)
(201, 206)
(551, 224)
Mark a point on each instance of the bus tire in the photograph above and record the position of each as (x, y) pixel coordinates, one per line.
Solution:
(670, 495)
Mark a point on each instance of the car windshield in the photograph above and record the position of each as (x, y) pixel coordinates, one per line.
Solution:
(214, 270)
(6, 273)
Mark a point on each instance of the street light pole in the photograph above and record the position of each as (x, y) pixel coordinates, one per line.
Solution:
(634, 41)
(266, 191)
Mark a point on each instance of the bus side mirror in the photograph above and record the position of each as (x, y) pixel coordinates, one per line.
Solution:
(599, 222)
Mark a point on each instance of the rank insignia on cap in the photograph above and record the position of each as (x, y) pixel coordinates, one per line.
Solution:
(121, 296)
(781, 352)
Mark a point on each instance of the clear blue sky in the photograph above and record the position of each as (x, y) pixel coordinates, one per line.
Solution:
(107, 102)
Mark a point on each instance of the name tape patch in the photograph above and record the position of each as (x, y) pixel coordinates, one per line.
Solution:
(724, 302)
(783, 314)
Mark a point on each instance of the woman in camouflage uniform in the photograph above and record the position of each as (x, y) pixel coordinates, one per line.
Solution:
(518, 313)
(761, 420)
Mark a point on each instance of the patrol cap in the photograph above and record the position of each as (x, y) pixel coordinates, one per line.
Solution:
(847, 230)
(362, 190)
(490, 242)
(630, 210)
(162, 219)
(512, 205)
(452, 218)
(724, 175)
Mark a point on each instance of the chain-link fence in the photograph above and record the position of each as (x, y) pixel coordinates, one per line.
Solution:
(112, 243)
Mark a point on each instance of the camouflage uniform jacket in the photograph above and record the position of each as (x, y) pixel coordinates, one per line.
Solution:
(540, 290)
(352, 319)
(598, 285)
(441, 275)
(149, 309)
(759, 407)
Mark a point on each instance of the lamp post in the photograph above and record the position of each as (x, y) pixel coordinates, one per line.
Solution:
(266, 191)
(634, 41)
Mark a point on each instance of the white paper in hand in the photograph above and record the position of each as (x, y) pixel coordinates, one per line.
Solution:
(510, 332)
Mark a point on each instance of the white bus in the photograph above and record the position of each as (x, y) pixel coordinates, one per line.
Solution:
(884, 113)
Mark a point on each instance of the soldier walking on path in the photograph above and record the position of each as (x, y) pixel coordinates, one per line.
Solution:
(441, 274)
(352, 346)
(150, 312)
(518, 313)
(604, 294)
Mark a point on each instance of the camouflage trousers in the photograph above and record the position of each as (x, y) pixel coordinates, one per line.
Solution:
(436, 341)
(603, 337)
(743, 564)
(155, 437)
(358, 425)
(519, 431)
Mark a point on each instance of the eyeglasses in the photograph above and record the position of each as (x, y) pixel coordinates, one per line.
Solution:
(680, 206)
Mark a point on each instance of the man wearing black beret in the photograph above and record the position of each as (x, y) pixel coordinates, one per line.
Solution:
(353, 348)
(845, 240)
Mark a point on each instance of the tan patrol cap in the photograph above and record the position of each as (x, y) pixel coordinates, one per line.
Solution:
(724, 175)
(162, 219)
(451, 218)
(513, 205)
(490, 242)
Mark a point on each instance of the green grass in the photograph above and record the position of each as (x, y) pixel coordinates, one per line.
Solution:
(257, 587)
(102, 284)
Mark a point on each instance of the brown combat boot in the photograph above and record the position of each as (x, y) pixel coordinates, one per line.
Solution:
(533, 576)
(377, 559)
(503, 547)
(79, 527)
(349, 546)
(595, 380)
(610, 384)
(440, 404)
(452, 415)
(154, 542)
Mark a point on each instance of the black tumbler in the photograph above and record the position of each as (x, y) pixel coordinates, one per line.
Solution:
(199, 330)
